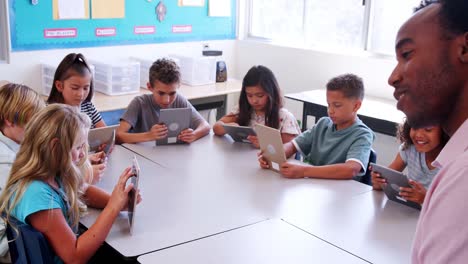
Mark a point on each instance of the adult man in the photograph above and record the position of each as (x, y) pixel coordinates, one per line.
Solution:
(431, 86)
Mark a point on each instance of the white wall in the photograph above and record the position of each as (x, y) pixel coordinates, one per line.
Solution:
(24, 67)
(300, 69)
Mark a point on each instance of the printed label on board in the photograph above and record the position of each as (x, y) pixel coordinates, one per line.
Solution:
(144, 30)
(60, 33)
(105, 32)
(182, 29)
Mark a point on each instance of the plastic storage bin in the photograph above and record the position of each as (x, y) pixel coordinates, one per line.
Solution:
(199, 70)
(47, 76)
(116, 79)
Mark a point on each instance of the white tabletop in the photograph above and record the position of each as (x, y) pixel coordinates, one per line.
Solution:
(271, 241)
(233, 166)
(368, 225)
(374, 107)
(178, 205)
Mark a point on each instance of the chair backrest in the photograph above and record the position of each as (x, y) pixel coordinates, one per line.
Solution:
(26, 244)
(366, 178)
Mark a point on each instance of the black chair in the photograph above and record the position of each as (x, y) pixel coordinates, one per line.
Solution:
(366, 178)
(26, 244)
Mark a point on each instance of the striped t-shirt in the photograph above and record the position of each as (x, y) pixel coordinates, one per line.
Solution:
(89, 109)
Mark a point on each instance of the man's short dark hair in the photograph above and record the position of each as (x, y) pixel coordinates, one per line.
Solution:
(165, 71)
(349, 84)
(453, 14)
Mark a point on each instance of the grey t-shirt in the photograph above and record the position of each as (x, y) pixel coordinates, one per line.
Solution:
(417, 167)
(324, 145)
(142, 113)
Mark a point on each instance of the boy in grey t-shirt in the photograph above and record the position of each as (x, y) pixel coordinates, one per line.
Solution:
(141, 120)
(338, 146)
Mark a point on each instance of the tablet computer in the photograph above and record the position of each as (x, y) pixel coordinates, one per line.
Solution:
(271, 145)
(239, 133)
(100, 136)
(132, 195)
(395, 180)
(176, 120)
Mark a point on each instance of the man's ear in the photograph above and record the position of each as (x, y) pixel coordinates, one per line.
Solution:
(464, 48)
(357, 105)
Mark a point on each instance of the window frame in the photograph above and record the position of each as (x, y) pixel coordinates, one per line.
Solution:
(367, 25)
(4, 33)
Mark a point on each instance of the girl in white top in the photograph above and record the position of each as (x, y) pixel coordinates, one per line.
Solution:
(260, 102)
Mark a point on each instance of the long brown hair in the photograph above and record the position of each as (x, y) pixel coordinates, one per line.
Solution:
(263, 77)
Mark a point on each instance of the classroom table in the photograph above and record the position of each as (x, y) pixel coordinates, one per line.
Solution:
(379, 114)
(227, 159)
(270, 241)
(202, 97)
(214, 186)
(368, 225)
(178, 206)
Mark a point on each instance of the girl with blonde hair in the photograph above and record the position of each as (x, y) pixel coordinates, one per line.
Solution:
(18, 103)
(45, 187)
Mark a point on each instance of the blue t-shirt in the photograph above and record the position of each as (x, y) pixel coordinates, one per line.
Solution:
(324, 145)
(40, 196)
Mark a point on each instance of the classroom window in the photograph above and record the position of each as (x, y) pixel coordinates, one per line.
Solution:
(387, 17)
(282, 20)
(332, 24)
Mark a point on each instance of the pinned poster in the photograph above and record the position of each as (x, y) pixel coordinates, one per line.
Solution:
(107, 9)
(219, 8)
(191, 2)
(70, 9)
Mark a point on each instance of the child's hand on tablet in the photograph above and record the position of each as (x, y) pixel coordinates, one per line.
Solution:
(119, 197)
(187, 135)
(377, 180)
(254, 141)
(416, 193)
(262, 161)
(97, 158)
(158, 131)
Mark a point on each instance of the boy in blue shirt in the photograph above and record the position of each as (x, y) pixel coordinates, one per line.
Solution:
(141, 120)
(338, 146)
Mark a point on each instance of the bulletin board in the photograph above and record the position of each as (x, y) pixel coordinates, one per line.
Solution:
(114, 22)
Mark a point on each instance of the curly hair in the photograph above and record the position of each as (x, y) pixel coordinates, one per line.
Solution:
(165, 71)
(349, 84)
(403, 135)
